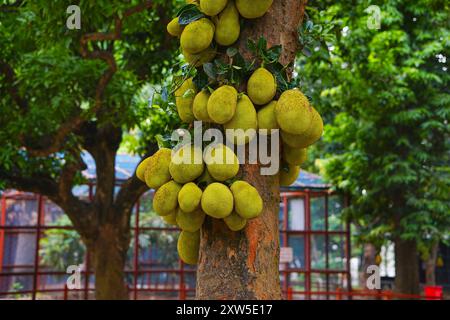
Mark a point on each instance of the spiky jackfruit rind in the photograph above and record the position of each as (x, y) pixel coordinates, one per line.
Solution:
(140, 170)
(288, 175)
(222, 104)
(266, 117)
(252, 9)
(235, 222)
(197, 36)
(174, 28)
(198, 59)
(221, 162)
(189, 197)
(217, 200)
(247, 201)
(186, 164)
(212, 7)
(261, 86)
(293, 112)
(165, 200)
(190, 221)
(309, 137)
(228, 26)
(171, 219)
(184, 98)
(157, 170)
(188, 246)
(244, 118)
(200, 106)
(294, 156)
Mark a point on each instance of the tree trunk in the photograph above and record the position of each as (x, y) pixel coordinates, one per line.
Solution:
(430, 265)
(406, 267)
(109, 251)
(245, 264)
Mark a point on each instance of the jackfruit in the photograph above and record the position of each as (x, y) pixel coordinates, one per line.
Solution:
(288, 175)
(198, 59)
(184, 98)
(261, 86)
(140, 170)
(212, 7)
(293, 112)
(244, 119)
(190, 221)
(252, 9)
(174, 28)
(157, 171)
(222, 104)
(235, 222)
(186, 164)
(197, 36)
(228, 26)
(189, 197)
(294, 156)
(191, 1)
(221, 162)
(165, 200)
(247, 201)
(205, 180)
(309, 137)
(217, 200)
(266, 117)
(200, 107)
(171, 219)
(188, 246)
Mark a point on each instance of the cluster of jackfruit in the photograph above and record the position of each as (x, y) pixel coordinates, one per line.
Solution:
(191, 184)
(221, 26)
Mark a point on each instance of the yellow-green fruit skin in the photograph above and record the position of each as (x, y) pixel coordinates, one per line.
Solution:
(165, 200)
(184, 98)
(198, 59)
(190, 221)
(244, 118)
(252, 9)
(228, 26)
(188, 246)
(205, 179)
(294, 156)
(261, 86)
(309, 137)
(171, 219)
(157, 170)
(186, 164)
(174, 28)
(200, 107)
(266, 117)
(247, 201)
(212, 7)
(189, 197)
(197, 36)
(222, 104)
(140, 170)
(293, 112)
(290, 176)
(221, 162)
(217, 200)
(235, 222)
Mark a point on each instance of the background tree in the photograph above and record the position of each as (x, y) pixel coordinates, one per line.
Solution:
(385, 93)
(64, 92)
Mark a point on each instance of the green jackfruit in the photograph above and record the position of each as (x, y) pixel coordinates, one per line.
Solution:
(310, 136)
(198, 59)
(140, 170)
(190, 221)
(221, 162)
(294, 156)
(244, 119)
(184, 98)
(235, 222)
(228, 26)
(200, 106)
(157, 171)
(288, 175)
(222, 104)
(293, 112)
(186, 164)
(171, 219)
(188, 246)
(197, 36)
(212, 7)
(217, 200)
(165, 200)
(189, 197)
(252, 9)
(266, 117)
(174, 28)
(247, 201)
(261, 86)
(205, 180)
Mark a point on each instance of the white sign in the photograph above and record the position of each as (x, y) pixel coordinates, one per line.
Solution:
(286, 255)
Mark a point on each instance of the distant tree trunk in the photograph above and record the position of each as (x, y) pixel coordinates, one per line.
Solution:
(406, 267)
(245, 265)
(430, 265)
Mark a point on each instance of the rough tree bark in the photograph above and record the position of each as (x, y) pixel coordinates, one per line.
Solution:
(244, 265)
(406, 267)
